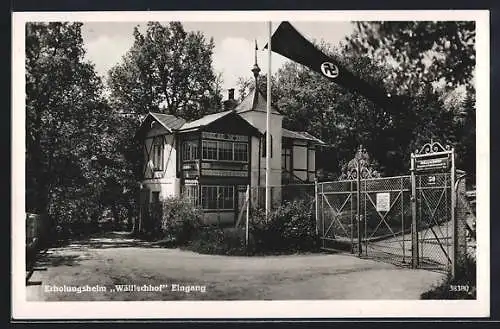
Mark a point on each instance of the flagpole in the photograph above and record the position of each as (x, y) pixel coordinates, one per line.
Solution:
(268, 123)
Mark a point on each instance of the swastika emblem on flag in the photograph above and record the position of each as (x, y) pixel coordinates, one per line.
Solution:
(330, 70)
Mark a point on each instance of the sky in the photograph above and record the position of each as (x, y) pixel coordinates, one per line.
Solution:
(107, 42)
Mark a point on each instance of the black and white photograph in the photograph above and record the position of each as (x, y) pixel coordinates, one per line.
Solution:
(253, 164)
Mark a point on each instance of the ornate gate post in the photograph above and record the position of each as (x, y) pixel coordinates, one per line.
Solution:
(358, 198)
(414, 230)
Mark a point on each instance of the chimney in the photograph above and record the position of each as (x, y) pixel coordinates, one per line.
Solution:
(230, 94)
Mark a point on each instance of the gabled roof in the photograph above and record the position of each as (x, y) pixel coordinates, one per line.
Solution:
(215, 119)
(169, 121)
(254, 101)
(203, 121)
(304, 135)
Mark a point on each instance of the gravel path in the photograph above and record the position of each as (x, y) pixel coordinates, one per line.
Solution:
(105, 262)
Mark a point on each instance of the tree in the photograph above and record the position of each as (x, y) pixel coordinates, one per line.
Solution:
(432, 61)
(66, 124)
(421, 52)
(167, 70)
(342, 118)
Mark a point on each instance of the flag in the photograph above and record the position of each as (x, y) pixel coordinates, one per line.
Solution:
(288, 42)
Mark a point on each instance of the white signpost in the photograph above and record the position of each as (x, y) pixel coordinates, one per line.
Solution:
(383, 202)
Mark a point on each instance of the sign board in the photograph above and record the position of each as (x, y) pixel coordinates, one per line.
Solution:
(383, 201)
(441, 163)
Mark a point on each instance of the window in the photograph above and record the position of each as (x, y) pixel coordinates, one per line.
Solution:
(225, 150)
(226, 198)
(209, 197)
(217, 197)
(209, 150)
(240, 152)
(263, 145)
(190, 150)
(191, 193)
(158, 153)
(286, 154)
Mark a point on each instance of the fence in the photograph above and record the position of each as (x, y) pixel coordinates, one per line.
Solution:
(374, 218)
(352, 219)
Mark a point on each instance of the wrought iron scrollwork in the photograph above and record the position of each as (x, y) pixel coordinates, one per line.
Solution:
(361, 162)
(432, 147)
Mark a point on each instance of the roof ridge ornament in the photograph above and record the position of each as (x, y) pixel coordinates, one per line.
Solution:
(256, 68)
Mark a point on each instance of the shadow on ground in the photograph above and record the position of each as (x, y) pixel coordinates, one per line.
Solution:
(106, 240)
(71, 252)
(52, 260)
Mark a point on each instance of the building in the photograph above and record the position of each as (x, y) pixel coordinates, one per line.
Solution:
(212, 160)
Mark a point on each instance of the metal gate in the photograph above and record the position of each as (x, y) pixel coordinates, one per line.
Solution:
(386, 216)
(373, 220)
(434, 221)
(404, 220)
(337, 215)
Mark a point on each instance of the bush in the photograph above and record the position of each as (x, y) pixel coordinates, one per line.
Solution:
(219, 241)
(290, 228)
(174, 219)
(465, 275)
(180, 220)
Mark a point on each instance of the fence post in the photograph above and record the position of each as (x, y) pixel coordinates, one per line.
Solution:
(414, 233)
(322, 214)
(247, 214)
(358, 197)
(453, 219)
(402, 219)
(316, 199)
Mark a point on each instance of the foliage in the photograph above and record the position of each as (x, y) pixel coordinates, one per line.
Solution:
(465, 275)
(66, 126)
(421, 52)
(180, 220)
(433, 64)
(174, 219)
(291, 228)
(167, 67)
(220, 241)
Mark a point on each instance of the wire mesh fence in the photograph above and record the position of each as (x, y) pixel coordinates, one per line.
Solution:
(374, 219)
(386, 218)
(337, 214)
(434, 220)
